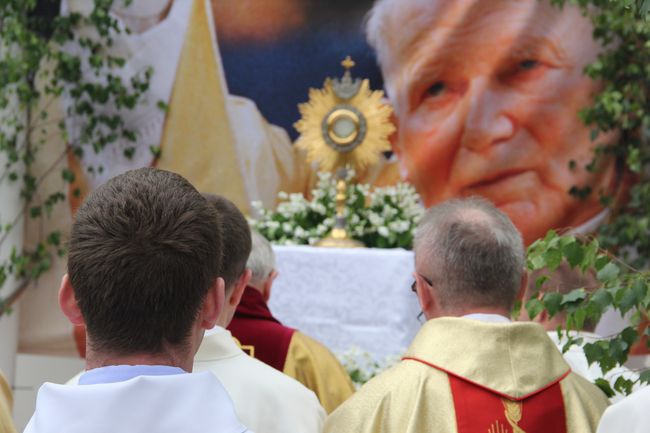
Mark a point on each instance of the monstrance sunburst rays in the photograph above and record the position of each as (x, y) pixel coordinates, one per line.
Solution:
(344, 124)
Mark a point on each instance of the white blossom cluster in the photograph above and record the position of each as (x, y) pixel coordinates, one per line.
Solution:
(361, 366)
(380, 217)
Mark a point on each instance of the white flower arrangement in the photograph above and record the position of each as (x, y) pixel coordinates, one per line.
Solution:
(380, 217)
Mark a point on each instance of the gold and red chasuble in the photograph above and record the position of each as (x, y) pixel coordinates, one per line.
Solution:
(480, 409)
(465, 376)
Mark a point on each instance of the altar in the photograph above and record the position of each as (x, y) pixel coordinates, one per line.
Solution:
(348, 298)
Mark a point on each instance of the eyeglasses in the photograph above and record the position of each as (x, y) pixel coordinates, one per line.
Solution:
(414, 290)
(415, 282)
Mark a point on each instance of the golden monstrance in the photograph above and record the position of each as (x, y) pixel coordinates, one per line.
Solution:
(344, 124)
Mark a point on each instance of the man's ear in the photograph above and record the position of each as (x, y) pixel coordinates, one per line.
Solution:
(68, 302)
(213, 304)
(240, 286)
(266, 290)
(523, 286)
(428, 300)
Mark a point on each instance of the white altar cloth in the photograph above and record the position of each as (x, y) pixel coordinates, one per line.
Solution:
(348, 297)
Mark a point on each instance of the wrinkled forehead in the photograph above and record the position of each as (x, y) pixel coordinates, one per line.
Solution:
(476, 30)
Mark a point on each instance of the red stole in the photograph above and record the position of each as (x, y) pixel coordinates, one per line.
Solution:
(260, 334)
(480, 409)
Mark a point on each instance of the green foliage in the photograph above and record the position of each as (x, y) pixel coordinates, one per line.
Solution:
(621, 288)
(623, 106)
(37, 67)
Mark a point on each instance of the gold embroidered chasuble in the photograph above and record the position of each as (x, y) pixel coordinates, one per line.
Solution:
(512, 364)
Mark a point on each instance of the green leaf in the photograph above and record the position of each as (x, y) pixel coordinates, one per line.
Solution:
(534, 306)
(552, 302)
(574, 253)
(553, 258)
(574, 296)
(593, 352)
(605, 387)
(608, 273)
(644, 377)
(623, 385)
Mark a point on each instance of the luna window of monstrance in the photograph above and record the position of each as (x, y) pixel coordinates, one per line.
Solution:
(344, 124)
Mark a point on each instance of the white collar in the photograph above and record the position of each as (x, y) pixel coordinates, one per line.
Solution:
(591, 225)
(487, 317)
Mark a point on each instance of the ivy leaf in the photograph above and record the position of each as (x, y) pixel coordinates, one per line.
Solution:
(623, 385)
(605, 387)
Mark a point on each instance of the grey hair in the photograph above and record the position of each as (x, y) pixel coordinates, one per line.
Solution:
(472, 252)
(261, 260)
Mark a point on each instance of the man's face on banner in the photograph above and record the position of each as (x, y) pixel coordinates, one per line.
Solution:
(487, 96)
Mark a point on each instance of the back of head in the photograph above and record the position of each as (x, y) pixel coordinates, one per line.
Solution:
(236, 238)
(261, 261)
(472, 253)
(145, 247)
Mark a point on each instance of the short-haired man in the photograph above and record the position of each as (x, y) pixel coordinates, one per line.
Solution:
(563, 280)
(486, 97)
(284, 348)
(265, 399)
(143, 276)
(469, 369)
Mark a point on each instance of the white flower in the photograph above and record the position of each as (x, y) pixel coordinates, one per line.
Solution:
(399, 226)
(383, 231)
(375, 219)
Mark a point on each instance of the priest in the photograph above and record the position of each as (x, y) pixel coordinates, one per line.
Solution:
(265, 399)
(144, 276)
(470, 369)
(282, 347)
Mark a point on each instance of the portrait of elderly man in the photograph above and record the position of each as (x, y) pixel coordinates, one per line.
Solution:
(486, 98)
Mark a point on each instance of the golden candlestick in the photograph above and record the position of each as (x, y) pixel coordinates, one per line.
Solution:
(338, 237)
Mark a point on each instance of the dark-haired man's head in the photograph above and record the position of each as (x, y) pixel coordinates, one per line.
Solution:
(237, 247)
(144, 270)
(469, 258)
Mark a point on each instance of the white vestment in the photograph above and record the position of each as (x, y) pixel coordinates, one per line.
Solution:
(630, 415)
(577, 359)
(153, 404)
(264, 151)
(265, 399)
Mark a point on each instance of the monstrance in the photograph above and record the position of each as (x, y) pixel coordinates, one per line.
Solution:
(344, 124)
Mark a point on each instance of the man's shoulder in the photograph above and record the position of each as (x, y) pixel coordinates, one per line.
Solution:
(247, 373)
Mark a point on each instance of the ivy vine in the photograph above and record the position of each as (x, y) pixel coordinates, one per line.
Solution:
(36, 69)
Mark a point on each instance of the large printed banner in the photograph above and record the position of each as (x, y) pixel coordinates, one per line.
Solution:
(486, 98)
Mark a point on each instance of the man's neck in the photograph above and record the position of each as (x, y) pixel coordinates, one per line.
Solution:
(98, 359)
